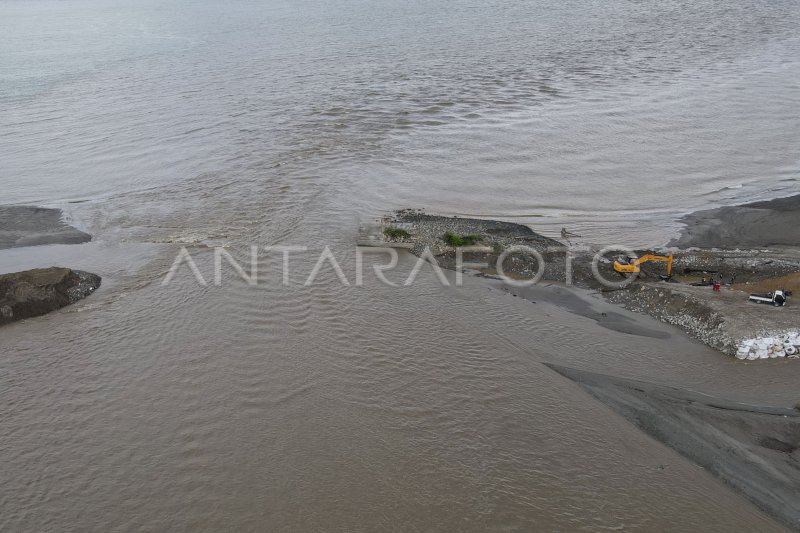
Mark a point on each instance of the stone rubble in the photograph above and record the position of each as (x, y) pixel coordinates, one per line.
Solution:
(782, 345)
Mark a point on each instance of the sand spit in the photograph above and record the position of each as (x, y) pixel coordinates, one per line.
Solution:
(22, 225)
(755, 225)
(753, 448)
(722, 319)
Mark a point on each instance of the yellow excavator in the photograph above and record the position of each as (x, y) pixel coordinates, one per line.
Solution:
(633, 265)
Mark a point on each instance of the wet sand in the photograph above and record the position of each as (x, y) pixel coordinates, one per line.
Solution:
(33, 226)
(752, 448)
(755, 225)
(580, 302)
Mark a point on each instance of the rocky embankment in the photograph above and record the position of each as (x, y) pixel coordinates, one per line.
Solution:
(36, 292)
(725, 319)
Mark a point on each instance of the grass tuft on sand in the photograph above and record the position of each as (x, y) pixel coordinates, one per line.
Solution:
(454, 239)
(395, 233)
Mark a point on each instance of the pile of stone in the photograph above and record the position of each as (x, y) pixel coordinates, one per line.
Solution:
(41, 290)
(785, 345)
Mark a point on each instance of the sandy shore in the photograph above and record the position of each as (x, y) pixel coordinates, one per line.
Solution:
(32, 226)
(753, 448)
(756, 225)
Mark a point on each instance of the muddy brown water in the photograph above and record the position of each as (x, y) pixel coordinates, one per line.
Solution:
(345, 408)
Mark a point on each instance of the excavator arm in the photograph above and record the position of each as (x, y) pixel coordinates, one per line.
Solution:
(633, 266)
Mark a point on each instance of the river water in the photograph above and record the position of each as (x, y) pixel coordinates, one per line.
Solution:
(278, 407)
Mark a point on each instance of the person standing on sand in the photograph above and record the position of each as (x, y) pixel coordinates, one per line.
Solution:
(566, 234)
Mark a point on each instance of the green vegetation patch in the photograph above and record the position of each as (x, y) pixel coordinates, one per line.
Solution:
(454, 239)
(395, 233)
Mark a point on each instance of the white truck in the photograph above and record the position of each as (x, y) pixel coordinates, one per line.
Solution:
(776, 298)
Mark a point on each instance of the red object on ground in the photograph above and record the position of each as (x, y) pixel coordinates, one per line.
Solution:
(717, 286)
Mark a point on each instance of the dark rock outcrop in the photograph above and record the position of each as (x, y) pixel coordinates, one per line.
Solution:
(41, 290)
